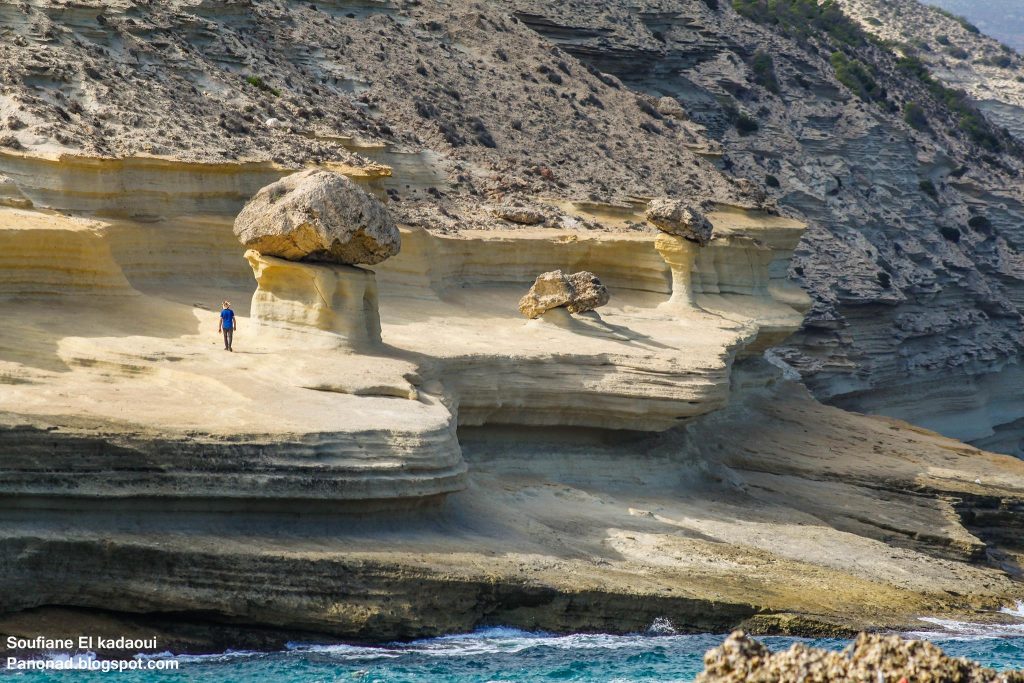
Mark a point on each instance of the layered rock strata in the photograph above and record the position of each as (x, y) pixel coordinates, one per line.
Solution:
(295, 301)
(567, 473)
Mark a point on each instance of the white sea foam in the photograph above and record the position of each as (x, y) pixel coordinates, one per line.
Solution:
(661, 626)
(1016, 611)
(967, 630)
(219, 658)
(492, 641)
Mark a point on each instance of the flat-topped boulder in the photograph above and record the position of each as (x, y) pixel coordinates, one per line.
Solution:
(318, 215)
(677, 217)
(577, 293)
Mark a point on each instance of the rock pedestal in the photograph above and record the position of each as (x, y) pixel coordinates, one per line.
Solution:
(681, 255)
(314, 303)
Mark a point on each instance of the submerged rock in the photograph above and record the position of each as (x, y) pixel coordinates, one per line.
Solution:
(872, 657)
(318, 215)
(676, 217)
(578, 292)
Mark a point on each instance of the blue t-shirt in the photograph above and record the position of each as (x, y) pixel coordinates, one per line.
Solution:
(227, 319)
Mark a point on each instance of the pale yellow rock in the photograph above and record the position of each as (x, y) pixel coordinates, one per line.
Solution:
(314, 303)
(144, 187)
(56, 256)
(680, 254)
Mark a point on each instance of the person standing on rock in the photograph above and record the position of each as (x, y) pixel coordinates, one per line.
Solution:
(227, 325)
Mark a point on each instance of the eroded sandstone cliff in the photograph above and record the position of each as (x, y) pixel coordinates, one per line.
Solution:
(517, 107)
(394, 450)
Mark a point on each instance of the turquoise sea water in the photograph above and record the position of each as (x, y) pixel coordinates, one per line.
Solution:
(500, 655)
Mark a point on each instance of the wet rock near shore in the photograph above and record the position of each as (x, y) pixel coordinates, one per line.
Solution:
(318, 215)
(871, 658)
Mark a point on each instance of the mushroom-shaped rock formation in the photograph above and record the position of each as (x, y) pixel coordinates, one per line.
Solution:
(578, 293)
(318, 215)
(679, 218)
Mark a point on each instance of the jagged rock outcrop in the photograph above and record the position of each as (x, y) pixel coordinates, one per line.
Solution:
(741, 659)
(317, 215)
(679, 218)
(576, 292)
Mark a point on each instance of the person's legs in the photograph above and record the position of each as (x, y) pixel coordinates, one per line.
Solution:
(231, 338)
(227, 339)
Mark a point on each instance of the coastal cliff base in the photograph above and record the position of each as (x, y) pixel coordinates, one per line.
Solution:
(777, 513)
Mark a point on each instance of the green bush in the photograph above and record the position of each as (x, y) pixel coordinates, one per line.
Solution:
(260, 84)
(746, 124)
(764, 71)
(928, 187)
(979, 223)
(942, 39)
(913, 113)
(968, 119)
(856, 76)
(803, 19)
(1003, 61)
(957, 52)
(951, 234)
(772, 181)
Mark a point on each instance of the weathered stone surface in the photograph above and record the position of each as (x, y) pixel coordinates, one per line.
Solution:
(676, 217)
(301, 301)
(741, 659)
(669, 106)
(318, 215)
(11, 195)
(523, 215)
(578, 293)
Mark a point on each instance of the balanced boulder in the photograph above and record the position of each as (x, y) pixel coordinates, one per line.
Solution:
(676, 217)
(577, 293)
(318, 215)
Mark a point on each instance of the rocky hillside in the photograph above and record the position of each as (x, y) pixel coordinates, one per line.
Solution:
(1003, 19)
(581, 112)
(911, 192)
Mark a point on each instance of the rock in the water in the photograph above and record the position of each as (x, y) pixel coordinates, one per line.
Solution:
(873, 657)
(679, 218)
(578, 293)
(318, 215)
